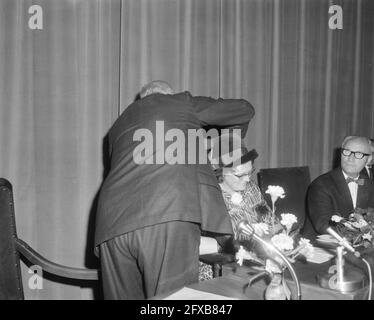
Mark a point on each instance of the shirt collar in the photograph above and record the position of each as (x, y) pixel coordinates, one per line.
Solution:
(346, 176)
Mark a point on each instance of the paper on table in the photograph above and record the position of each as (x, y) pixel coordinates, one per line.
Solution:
(192, 294)
(208, 245)
(326, 238)
(320, 255)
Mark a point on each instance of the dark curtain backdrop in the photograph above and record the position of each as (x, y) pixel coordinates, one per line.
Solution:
(62, 87)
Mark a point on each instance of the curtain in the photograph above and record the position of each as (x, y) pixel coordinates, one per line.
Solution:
(62, 87)
(172, 40)
(310, 85)
(59, 95)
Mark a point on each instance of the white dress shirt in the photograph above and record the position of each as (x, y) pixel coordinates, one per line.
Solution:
(367, 168)
(353, 187)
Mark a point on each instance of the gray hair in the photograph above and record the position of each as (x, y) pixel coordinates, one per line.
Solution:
(371, 141)
(346, 139)
(157, 86)
(363, 139)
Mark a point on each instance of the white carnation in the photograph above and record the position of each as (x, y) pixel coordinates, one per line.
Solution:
(236, 198)
(336, 218)
(359, 224)
(242, 254)
(275, 192)
(307, 249)
(282, 241)
(367, 236)
(288, 219)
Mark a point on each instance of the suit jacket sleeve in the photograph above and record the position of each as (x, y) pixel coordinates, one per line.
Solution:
(227, 113)
(320, 206)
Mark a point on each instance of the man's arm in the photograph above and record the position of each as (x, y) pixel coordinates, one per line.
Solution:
(226, 113)
(320, 207)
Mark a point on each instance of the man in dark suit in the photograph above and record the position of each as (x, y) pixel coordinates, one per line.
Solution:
(151, 211)
(368, 170)
(342, 190)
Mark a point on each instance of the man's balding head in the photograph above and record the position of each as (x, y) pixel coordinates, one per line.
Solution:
(157, 86)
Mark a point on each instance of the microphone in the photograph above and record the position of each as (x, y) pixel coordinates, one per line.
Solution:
(343, 242)
(245, 228)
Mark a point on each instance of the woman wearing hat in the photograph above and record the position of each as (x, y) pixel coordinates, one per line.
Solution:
(242, 197)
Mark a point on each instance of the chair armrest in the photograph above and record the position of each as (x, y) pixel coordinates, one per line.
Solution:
(54, 268)
(217, 260)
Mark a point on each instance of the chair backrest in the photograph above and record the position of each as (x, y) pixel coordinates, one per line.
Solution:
(295, 182)
(10, 271)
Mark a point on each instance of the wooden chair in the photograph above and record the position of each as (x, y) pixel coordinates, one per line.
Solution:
(11, 247)
(216, 261)
(295, 181)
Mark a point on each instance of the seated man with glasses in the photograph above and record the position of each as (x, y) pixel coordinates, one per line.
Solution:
(342, 190)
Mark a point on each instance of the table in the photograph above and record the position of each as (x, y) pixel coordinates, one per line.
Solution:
(307, 274)
(234, 279)
(225, 286)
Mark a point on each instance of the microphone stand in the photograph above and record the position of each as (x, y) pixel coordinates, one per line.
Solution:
(337, 278)
(245, 228)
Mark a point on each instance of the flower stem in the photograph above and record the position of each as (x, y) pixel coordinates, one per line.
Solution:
(273, 217)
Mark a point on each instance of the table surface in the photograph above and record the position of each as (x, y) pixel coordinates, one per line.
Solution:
(307, 274)
(234, 280)
(225, 286)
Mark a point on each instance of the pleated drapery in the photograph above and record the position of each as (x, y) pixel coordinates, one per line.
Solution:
(62, 87)
(59, 96)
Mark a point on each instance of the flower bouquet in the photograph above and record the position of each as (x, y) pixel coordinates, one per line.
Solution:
(279, 233)
(358, 229)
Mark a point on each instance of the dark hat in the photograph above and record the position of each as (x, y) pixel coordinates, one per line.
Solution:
(228, 150)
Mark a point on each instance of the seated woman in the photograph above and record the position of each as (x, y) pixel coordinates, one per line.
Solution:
(243, 200)
(242, 196)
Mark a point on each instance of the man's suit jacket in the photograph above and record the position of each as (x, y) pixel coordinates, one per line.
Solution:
(365, 173)
(135, 196)
(329, 195)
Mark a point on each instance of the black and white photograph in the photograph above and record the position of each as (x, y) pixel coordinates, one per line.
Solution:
(186, 150)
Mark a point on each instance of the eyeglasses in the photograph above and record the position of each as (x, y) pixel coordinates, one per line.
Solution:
(249, 174)
(357, 154)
